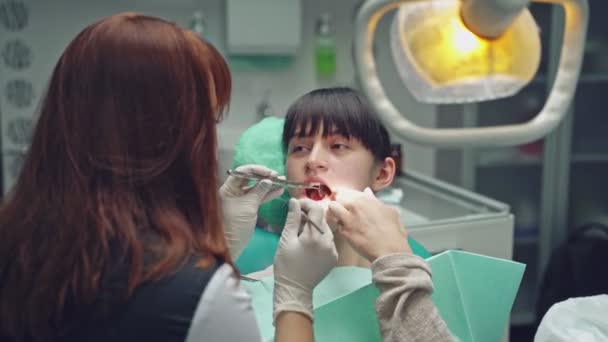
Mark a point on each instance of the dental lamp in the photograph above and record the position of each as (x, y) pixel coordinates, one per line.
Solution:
(463, 51)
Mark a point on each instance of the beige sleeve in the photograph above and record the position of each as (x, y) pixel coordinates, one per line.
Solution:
(404, 308)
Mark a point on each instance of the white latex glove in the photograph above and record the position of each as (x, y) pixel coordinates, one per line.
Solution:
(302, 261)
(371, 227)
(240, 205)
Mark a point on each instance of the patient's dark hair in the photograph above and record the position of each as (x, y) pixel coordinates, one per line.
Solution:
(339, 110)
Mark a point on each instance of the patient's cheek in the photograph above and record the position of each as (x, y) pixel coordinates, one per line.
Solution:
(345, 194)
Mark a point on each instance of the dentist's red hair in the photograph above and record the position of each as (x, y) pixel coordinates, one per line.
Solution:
(120, 175)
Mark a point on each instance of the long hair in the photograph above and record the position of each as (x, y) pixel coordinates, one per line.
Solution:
(121, 171)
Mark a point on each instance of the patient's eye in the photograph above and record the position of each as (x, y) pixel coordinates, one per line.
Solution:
(339, 146)
(297, 148)
(339, 142)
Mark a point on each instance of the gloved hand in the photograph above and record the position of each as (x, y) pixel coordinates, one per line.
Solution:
(240, 204)
(302, 261)
(371, 227)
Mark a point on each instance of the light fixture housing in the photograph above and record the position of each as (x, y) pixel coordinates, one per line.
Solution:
(441, 61)
(420, 45)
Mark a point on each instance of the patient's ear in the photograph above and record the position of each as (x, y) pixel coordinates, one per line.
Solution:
(384, 174)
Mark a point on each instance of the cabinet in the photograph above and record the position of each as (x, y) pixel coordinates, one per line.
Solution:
(552, 185)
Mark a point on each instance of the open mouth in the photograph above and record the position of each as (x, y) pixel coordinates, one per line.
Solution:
(318, 194)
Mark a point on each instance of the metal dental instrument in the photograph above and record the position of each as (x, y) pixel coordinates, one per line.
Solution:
(308, 220)
(284, 183)
(248, 278)
(274, 180)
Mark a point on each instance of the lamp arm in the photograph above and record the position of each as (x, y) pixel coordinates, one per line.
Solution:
(554, 110)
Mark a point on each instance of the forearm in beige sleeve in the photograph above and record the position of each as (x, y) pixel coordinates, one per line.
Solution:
(404, 307)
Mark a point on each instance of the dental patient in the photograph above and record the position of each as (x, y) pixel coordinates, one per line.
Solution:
(331, 137)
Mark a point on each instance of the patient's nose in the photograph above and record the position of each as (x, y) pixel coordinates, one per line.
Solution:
(317, 160)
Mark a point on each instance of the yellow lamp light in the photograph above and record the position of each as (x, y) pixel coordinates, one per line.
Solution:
(458, 51)
(442, 61)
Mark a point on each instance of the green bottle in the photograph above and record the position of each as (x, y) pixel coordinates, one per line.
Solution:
(325, 47)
